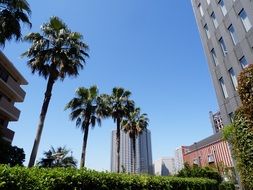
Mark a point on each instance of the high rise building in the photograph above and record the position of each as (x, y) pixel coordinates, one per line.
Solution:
(216, 121)
(226, 32)
(164, 166)
(10, 92)
(143, 153)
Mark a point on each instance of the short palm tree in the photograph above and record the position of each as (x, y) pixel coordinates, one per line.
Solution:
(87, 109)
(120, 105)
(134, 125)
(12, 12)
(58, 157)
(54, 54)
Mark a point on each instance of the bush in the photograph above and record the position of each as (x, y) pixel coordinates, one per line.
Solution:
(196, 171)
(17, 178)
(240, 132)
(226, 186)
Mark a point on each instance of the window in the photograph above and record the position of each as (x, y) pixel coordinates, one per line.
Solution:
(245, 20)
(196, 161)
(214, 20)
(233, 77)
(223, 46)
(233, 34)
(207, 31)
(214, 57)
(243, 61)
(223, 87)
(210, 158)
(223, 8)
(201, 9)
(231, 117)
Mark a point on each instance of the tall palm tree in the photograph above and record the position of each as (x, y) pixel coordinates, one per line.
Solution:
(87, 109)
(120, 105)
(12, 13)
(58, 157)
(56, 53)
(134, 125)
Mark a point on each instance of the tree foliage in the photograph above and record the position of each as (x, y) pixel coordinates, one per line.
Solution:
(240, 132)
(58, 157)
(11, 155)
(196, 171)
(87, 108)
(12, 13)
(55, 53)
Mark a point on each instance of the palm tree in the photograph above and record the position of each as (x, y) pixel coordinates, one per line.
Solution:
(12, 13)
(87, 109)
(57, 158)
(120, 105)
(134, 125)
(54, 54)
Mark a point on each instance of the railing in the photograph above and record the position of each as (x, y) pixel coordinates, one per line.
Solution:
(15, 87)
(9, 110)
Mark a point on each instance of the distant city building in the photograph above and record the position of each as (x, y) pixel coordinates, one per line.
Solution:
(216, 121)
(226, 32)
(212, 151)
(143, 153)
(10, 92)
(165, 166)
(179, 158)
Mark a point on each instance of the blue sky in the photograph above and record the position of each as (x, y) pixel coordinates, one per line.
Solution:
(151, 48)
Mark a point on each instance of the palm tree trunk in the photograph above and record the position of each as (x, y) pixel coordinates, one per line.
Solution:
(118, 144)
(43, 113)
(85, 138)
(134, 157)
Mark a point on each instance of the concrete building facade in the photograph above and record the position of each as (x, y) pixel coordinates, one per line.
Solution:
(143, 153)
(216, 121)
(164, 166)
(226, 32)
(10, 92)
(179, 158)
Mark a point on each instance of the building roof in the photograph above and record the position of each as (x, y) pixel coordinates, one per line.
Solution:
(205, 142)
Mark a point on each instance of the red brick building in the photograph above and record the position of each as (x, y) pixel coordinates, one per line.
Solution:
(212, 151)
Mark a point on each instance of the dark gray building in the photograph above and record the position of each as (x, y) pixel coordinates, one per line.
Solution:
(226, 32)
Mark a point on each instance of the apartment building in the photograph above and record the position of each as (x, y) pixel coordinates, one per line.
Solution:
(10, 92)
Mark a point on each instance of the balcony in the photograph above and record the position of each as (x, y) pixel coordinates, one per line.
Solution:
(8, 110)
(12, 89)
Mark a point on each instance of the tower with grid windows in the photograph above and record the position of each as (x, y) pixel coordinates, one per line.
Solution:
(226, 31)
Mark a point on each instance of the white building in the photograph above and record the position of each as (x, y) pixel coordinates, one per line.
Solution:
(164, 166)
(143, 153)
(179, 159)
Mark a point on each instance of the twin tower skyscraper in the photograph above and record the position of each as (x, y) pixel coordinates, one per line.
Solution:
(143, 153)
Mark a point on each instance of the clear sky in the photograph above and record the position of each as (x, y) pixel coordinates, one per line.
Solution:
(151, 48)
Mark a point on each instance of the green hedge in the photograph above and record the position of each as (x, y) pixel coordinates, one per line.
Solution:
(20, 178)
(226, 186)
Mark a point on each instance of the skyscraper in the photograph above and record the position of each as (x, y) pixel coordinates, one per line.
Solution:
(10, 92)
(226, 32)
(143, 153)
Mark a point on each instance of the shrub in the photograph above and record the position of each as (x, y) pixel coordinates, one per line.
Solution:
(196, 171)
(17, 178)
(226, 186)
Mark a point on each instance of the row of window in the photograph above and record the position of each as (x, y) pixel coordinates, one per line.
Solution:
(233, 79)
(242, 14)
